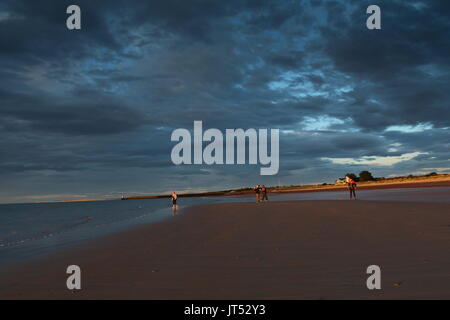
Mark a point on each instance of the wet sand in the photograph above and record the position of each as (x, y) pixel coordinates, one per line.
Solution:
(279, 250)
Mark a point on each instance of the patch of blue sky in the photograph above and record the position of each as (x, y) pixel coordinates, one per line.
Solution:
(375, 160)
(343, 90)
(410, 128)
(297, 85)
(325, 122)
(394, 147)
(310, 125)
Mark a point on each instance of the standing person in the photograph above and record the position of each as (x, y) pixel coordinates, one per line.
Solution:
(264, 193)
(174, 198)
(351, 187)
(257, 190)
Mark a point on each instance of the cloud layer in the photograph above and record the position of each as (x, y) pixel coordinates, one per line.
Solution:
(90, 112)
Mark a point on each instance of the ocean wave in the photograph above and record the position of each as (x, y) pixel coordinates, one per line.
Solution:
(14, 241)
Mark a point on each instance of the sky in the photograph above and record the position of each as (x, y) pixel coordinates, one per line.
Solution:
(89, 113)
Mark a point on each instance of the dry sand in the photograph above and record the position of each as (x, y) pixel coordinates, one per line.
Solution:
(279, 250)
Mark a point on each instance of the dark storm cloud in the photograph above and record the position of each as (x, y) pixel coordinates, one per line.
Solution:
(36, 30)
(404, 65)
(96, 107)
(81, 119)
(436, 141)
(409, 38)
(290, 60)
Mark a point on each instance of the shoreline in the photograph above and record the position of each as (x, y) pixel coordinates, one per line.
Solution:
(418, 183)
(275, 250)
(376, 186)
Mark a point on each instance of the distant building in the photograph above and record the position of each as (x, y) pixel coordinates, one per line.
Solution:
(340, 181)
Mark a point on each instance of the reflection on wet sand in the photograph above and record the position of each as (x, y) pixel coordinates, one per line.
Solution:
(175, 208)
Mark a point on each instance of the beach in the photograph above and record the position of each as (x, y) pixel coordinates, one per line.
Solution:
(442, 180)
(273, 250)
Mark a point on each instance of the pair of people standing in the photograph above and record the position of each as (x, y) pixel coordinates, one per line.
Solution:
(260, 193)
(351, 187)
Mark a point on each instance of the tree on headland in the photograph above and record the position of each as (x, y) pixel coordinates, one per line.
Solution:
(365, 176)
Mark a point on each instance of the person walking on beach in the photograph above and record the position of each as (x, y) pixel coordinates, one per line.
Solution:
(174, 198)
(257, 190)
(264, 193)
(351, 187)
